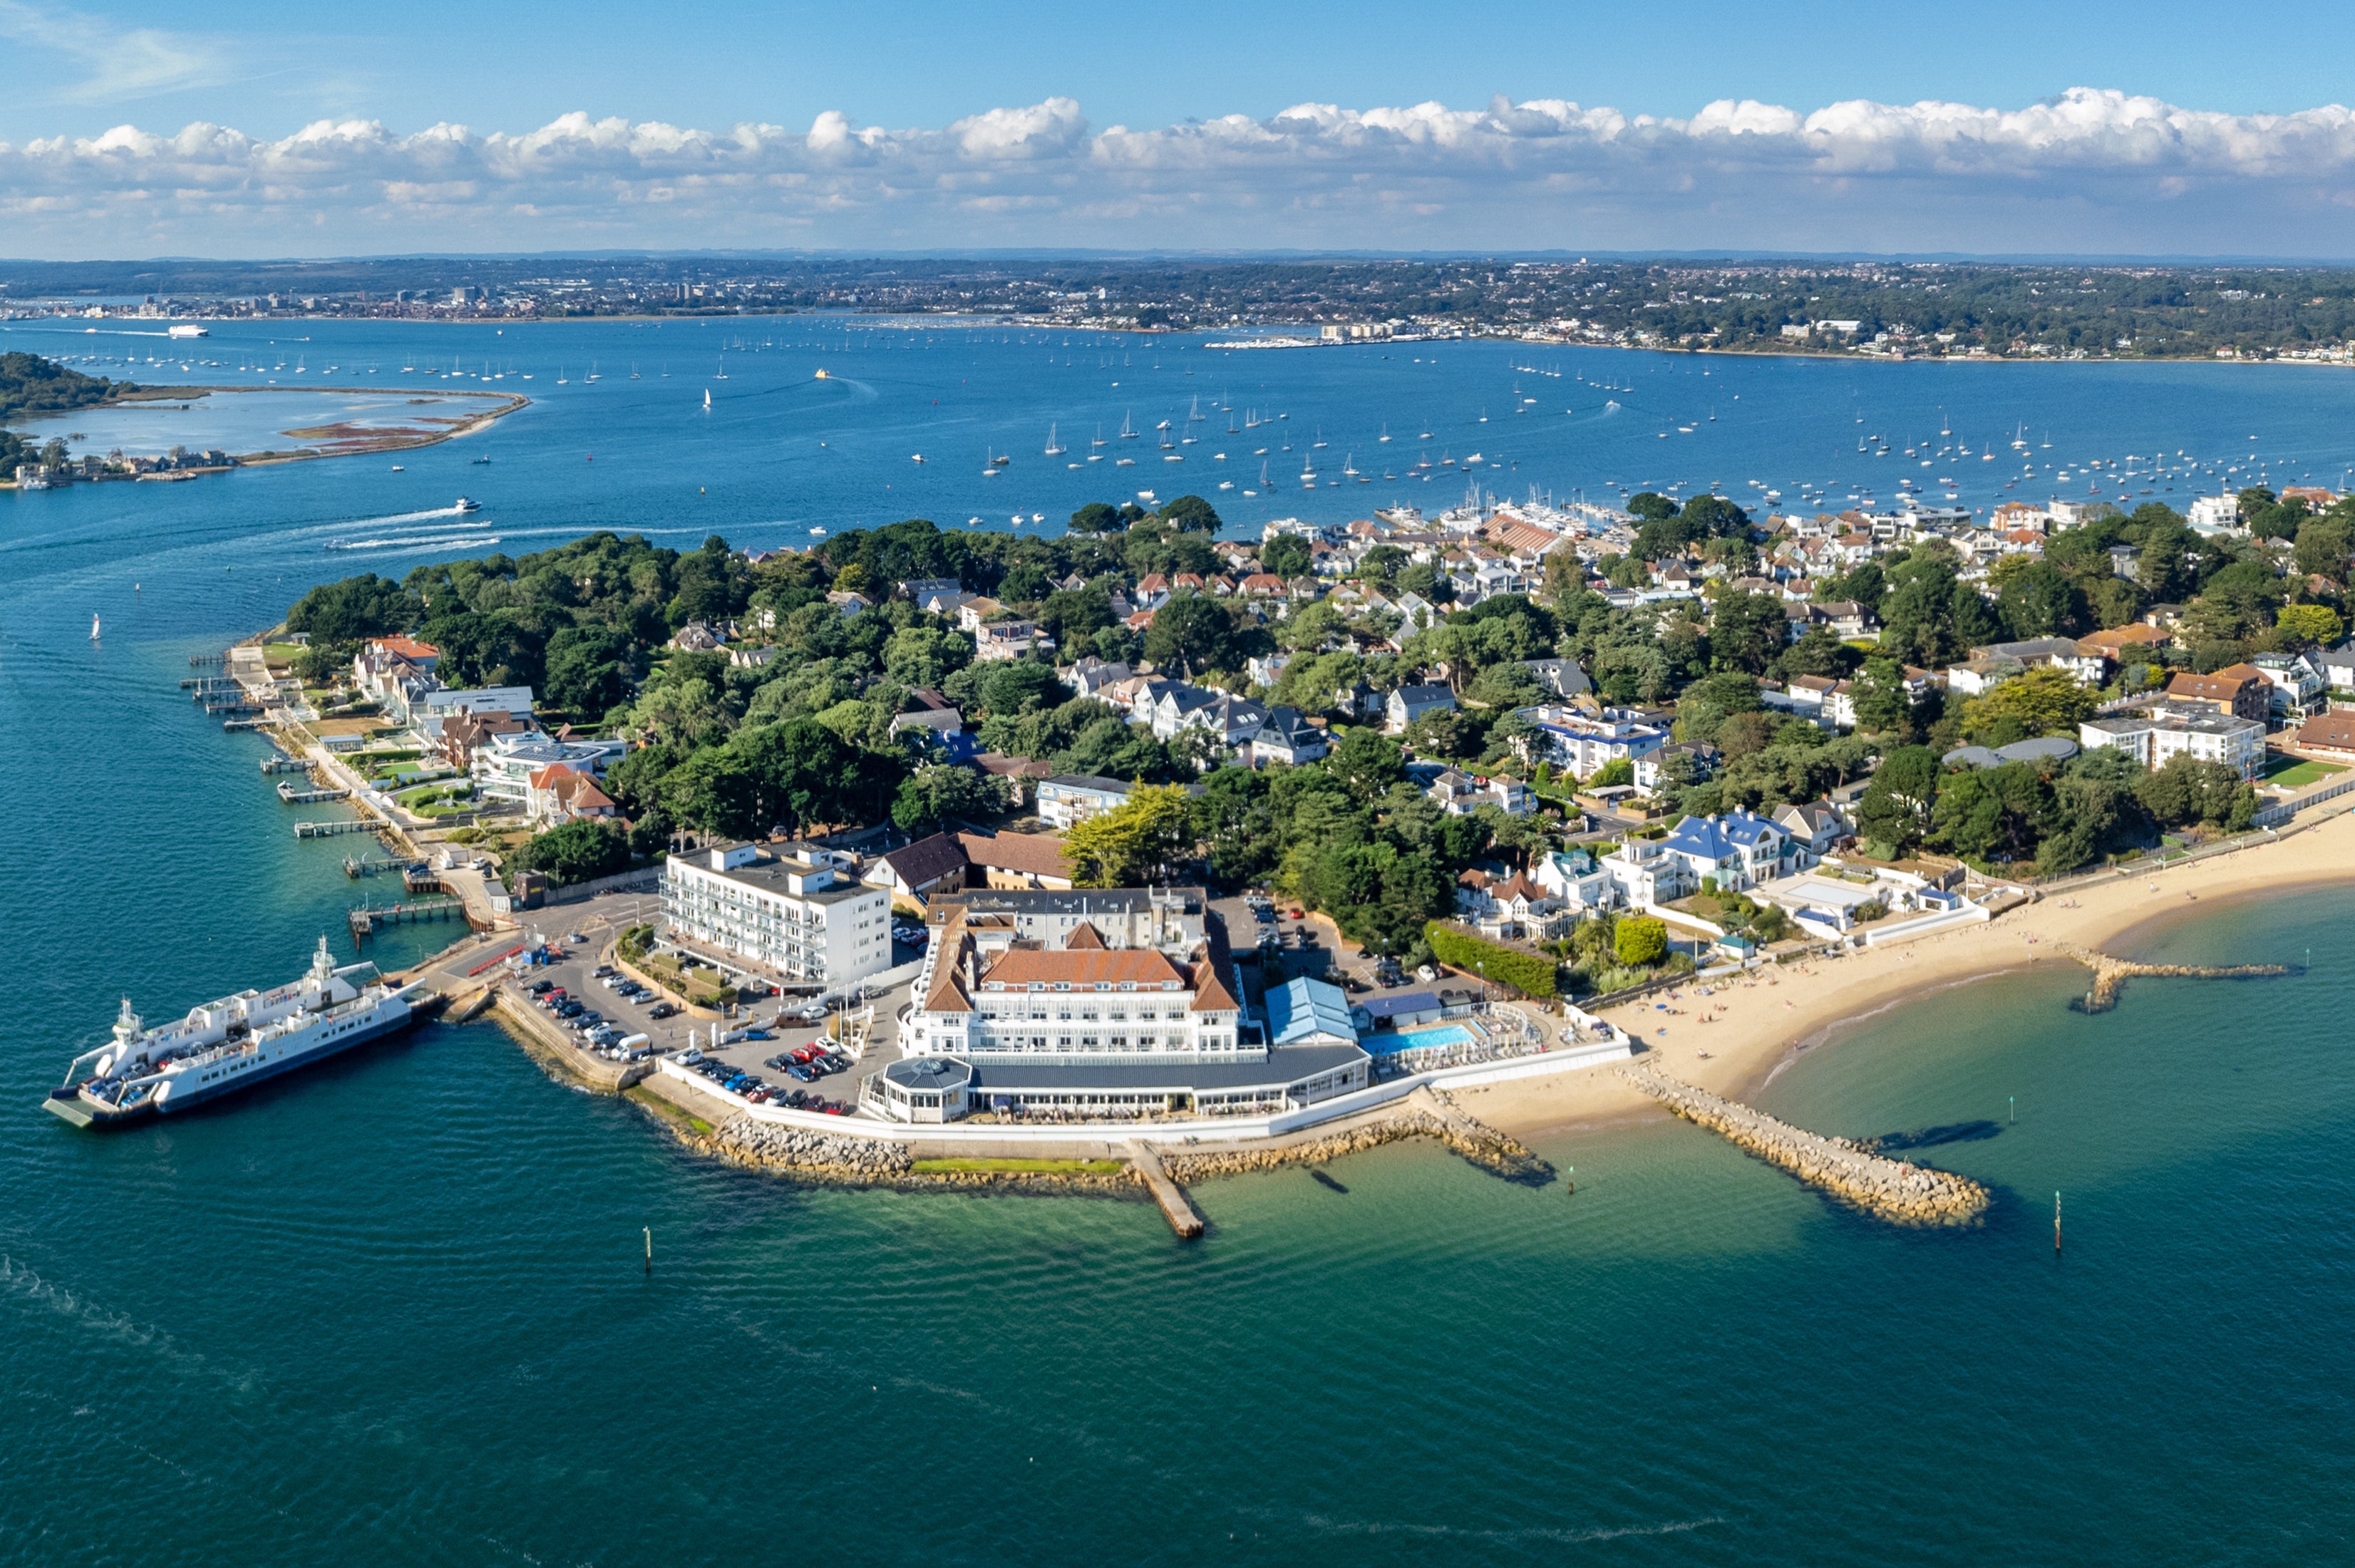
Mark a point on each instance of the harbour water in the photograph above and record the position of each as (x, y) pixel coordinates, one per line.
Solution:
(394, 1308)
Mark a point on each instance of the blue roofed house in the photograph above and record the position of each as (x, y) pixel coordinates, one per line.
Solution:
(1739, 849)
(1309, 1012)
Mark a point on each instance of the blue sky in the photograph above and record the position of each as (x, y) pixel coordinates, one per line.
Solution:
(933, 124)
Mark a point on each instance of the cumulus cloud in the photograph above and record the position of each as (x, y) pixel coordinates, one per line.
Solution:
(2092, 170)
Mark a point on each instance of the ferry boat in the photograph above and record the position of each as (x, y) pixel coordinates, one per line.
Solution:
(230, 1044)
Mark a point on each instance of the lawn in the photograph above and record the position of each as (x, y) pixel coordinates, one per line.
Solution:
(2287, 773)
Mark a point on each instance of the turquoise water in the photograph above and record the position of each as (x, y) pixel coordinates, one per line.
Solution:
(1417, 1040)
(394, 1307)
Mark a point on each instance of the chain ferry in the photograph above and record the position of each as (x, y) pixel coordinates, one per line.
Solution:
(231, 1044)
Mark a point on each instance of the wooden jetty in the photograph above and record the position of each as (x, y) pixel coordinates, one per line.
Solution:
(282, 764)
(292, 796)
(330, 830)
(369, 918)
(197, 661)
(358, 866)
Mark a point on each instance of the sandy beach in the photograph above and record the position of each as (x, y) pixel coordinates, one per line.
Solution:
(1758, 1023)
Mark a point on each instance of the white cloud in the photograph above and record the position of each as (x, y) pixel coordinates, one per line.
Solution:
(115, 64)
(2089, 171)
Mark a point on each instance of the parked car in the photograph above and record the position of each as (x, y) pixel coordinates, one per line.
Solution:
(797, 1071)
(541, 987)
(662, 1010)
(601, 971)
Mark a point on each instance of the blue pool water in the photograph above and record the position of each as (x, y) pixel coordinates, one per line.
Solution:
(1417, 1040)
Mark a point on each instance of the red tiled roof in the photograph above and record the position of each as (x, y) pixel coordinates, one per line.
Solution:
(1084, 938)
(409, 648)
(1210, 995)
(1037, 854)
(1038, 965)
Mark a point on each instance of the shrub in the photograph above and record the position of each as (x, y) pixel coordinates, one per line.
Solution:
(1528, 973)
(1640, 940)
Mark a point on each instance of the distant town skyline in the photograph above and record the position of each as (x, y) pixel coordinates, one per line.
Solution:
(2092, 130)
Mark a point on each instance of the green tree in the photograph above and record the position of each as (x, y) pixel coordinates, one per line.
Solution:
(1639, 942)
(576, 852)
(934, 794)
(2304, 627)
(1367, 763)
(355, 609)
(1141, 837)
(1286, 555)
(1748, 633)
(2043, 701)
(1192, 635)
(1894, 811)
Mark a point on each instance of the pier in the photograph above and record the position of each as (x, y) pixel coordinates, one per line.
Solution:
(234, 724)
(369, 918)
(330, 830)
(199, 661)
(1887, 1189)
(1176, 1206)
(292, 796)
(283, 765)
(358, 866)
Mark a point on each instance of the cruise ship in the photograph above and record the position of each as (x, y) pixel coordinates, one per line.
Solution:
(227, 1045)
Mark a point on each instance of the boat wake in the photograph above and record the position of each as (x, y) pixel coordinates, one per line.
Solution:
(414, 542)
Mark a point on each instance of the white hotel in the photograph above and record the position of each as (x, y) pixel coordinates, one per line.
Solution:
(795, 922)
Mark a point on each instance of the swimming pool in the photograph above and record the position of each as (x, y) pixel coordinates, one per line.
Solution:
(1417, 1040)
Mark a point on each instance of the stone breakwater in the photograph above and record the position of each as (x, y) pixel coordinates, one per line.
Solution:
(1423, 1115)
(2110, 974)
(1887, 1189)
(834, 1160)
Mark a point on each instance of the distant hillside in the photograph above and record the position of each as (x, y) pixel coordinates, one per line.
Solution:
(32, 385)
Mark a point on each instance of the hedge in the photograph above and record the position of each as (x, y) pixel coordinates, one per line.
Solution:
(1530, 973)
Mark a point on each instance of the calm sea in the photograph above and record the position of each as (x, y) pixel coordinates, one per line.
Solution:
(393, 1307)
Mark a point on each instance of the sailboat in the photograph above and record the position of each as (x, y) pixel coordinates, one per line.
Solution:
(1099, 441)
(560, 377)
(1127, 430)
(1386, 431)
(707, 399)
(723, 374)
(1054, 447)
(1319, 441)
(93, 628)
(592, 370)
(633, 373)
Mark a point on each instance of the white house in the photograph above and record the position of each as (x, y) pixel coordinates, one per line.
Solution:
(1736, 850)
(1582, 743)
(1409, 703)
(1068, 799)
(2158, 737)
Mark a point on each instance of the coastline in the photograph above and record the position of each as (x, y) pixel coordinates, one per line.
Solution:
(1762, 1022)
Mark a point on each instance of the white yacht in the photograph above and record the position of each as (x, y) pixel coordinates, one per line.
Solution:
(229, 1044)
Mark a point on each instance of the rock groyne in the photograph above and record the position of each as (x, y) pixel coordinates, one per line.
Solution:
(1886, 1189)
(1423, 1114)
(838, 1159)
(2110, 974)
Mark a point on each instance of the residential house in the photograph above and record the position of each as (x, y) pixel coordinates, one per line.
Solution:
(743, 656)
(850, 603)
(1700, 760)
(923, 592)
(2121, 644)
(1066, 800)
(1579, 743)
(1738, 850)
(558, 793)
(699, 637)
(1574, 880)
(1562, 677)
(2337, 666)
(1267, 670)
(1813, 831)
(1976, 678)
(2295, 685)
(2090, 666)
(1016, 860)
(504, 769)
(917, 870)
(1288, 736)
(2330, 735)
(1092, 677)
(2239, 691)
(462, 734)
(2160, 736)
(1409, 703)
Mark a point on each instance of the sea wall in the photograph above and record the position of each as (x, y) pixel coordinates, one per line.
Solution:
(1887, 1189)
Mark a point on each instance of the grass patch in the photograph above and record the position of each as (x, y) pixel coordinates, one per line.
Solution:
(667, 1111)
(2298, 773)
(1018, 1167)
